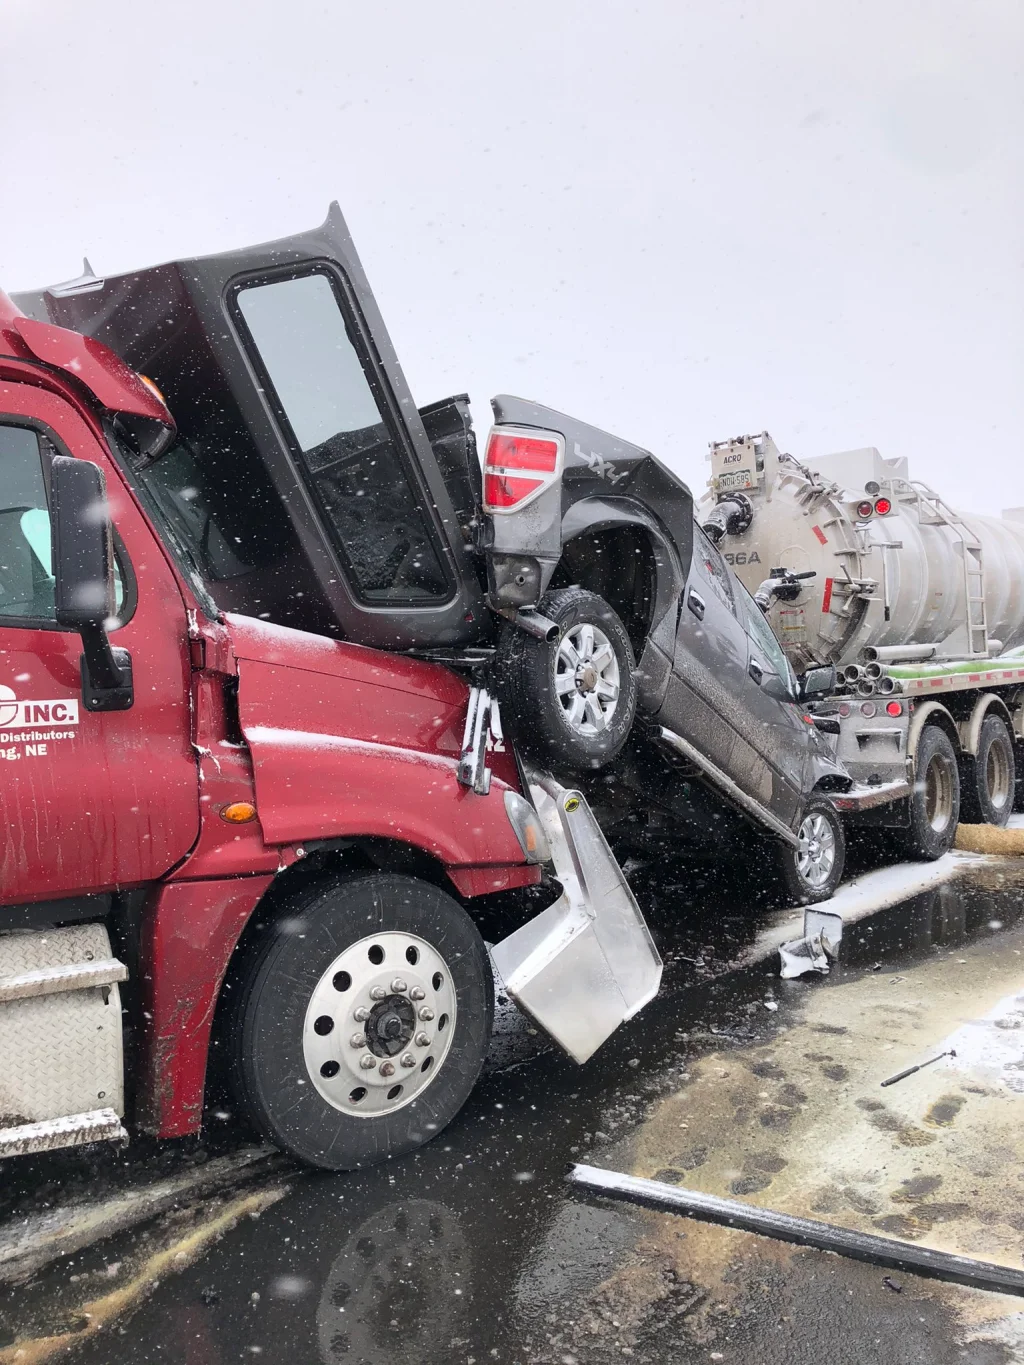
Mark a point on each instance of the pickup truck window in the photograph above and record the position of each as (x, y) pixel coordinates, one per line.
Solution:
(767, 641)
(352, 460)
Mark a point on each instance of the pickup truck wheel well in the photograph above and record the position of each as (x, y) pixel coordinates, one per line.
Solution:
(617, 564)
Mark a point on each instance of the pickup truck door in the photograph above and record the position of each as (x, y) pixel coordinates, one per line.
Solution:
(707, 694)
(89, 800)
(786, 737)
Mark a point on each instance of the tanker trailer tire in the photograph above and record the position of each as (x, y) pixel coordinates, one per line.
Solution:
(988, 783)
(362, 1021)
(812, 872)
(572, 700)
(935, 799)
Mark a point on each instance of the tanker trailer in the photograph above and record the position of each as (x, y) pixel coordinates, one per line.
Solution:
(920, 607)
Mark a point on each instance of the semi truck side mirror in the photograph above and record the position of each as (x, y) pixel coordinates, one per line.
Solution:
(83, 567)
(817, 682)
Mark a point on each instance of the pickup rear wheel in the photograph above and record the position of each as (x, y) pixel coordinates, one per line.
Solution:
(813, 871)
(364, 1020)
(572, 700)
(987, 789)
(935, 799)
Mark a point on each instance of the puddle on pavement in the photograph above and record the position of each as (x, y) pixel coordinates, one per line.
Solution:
(472, 1249)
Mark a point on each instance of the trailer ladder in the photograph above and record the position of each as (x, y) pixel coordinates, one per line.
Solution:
(933, 511)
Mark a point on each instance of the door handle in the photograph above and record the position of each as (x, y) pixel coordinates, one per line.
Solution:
(696, 604)
(756, 671)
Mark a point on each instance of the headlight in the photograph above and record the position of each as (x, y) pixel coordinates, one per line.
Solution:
(529, 830)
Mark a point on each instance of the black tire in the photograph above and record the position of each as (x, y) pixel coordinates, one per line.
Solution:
(294, 962)
(527, 679)
(935, 799)
(988, 781)
(813, 873)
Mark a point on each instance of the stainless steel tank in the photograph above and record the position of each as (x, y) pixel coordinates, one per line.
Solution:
(895, 566)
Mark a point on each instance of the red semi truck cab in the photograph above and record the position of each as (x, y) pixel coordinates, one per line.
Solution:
(218, 827)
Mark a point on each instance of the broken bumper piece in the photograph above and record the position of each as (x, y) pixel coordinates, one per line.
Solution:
(823, 932)
(587, 963)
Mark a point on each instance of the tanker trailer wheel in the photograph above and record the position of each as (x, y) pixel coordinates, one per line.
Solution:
(572, 700)
(988, 785)
(363, 1020)
(935, 799)
(812, 872)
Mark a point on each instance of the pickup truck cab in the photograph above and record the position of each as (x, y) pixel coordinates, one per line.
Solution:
(568, 578)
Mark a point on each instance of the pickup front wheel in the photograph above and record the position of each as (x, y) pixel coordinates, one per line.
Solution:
(364, 1020)
(572, 700)
(812, 871)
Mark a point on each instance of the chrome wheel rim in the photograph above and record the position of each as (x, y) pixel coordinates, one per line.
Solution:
(816, 856)
(379, 1024)
(938, 795)
(587, 681)
(997, 777)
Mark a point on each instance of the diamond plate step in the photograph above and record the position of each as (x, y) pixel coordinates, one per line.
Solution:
(74, 976)
(70, 1130)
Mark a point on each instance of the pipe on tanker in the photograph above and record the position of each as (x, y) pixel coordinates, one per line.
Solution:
(867, 687)
(873, 670)
(852, 673)
(897, 654)
(886, 686)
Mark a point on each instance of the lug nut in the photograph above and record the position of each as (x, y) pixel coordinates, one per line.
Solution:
(387, 1068)
(378, 993)
(417, 993)
(426, 1014)
(361, 1014)
(407, 1059)
(358, 1040)
(368, 1062)
(422, 1039)
(398, 985)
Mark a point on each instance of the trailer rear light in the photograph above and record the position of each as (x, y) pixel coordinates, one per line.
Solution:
(894, 708)
(519, 466)
(868, 709)
(845, 709)
(883, 506)
(865, 509)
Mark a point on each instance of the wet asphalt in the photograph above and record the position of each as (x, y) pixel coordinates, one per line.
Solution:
(473, 1250)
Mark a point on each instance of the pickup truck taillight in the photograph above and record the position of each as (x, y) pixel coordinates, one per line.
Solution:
(520, 464)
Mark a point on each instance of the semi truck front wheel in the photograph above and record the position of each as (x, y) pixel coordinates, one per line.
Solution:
(363, 1021)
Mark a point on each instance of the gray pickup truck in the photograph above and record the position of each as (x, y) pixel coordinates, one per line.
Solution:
(568, 575)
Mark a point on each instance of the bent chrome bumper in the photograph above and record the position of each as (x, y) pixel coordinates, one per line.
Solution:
(587, 963)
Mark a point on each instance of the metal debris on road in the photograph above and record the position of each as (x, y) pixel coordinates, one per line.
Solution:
(902, 1075)
(785, 1227)
(823, 932)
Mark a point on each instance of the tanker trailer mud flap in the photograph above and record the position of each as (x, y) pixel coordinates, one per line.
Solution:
(587, 963)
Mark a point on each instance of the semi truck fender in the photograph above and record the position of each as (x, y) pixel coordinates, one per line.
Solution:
(189, 931)
(969, 730)
(930, 713)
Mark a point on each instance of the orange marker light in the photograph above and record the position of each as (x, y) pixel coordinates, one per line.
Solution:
(238, 813)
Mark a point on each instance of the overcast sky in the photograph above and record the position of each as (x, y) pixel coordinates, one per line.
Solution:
(680, 220)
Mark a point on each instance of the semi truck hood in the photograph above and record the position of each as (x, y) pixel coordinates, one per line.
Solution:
(348, 741)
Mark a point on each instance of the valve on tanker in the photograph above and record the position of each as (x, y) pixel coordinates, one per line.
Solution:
(783, 584)
(731, 515)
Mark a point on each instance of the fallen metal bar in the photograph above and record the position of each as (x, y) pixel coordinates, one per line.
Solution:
(910, 1070)
(784, 1227)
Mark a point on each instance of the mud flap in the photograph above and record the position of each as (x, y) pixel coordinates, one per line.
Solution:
(587, 963)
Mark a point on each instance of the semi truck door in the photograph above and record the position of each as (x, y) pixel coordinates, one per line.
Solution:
(89, 800)
(705, 699)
